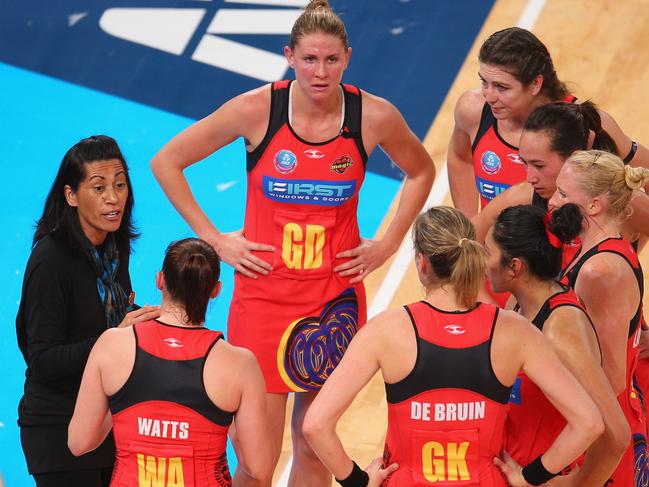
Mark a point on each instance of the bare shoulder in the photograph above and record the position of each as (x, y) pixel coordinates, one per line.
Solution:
(604, 270)
(114, 345)
(468, 110)
(378, 110)
(564, 323)
(253, 104)
(387, 321)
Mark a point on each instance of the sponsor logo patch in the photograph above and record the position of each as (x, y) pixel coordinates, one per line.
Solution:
(341, 164)
(285, 161)
(490, 189)
(306, 191)
(515, 394)
(490, 162)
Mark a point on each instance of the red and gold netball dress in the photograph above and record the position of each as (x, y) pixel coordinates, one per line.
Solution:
(533, 423)
(302, 198)
(167, 430)
(446, 418)
(633, 469)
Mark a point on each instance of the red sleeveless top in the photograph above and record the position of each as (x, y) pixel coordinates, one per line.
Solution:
(167, 430)
(446, 418)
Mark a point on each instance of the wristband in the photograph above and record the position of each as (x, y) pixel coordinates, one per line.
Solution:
(629, 156)
(358, 478)
(535, 473)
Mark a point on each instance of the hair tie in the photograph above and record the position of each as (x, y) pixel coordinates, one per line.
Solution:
(552, 238)
(461, 241)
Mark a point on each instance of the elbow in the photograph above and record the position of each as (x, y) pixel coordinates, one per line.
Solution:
(76, 444)
(620, 438)
(593, 426)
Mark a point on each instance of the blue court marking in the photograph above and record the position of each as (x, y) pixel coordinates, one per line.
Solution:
(44, 118)
(405, 50)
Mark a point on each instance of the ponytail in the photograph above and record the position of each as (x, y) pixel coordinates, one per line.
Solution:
(191, 270)
(446, 237)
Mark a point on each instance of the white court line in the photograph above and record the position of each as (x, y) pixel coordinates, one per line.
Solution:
(404, 255)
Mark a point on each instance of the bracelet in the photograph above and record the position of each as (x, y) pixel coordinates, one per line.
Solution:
(535, 473)
(629, 156)
(358, 478)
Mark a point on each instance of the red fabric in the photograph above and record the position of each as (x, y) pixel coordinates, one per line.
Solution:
(447, 437)
(307, 229)
(165, 443)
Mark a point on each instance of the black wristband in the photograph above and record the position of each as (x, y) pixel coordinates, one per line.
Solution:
(629, 156)
(535, 473)
(358, 478)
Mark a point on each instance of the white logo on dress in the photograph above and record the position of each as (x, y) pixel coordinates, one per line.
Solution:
(454, 329)
(173, 342)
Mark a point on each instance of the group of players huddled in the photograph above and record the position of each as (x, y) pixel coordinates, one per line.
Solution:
(543, 386)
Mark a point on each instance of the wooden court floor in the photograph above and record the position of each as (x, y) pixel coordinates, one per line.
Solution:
(601, 49)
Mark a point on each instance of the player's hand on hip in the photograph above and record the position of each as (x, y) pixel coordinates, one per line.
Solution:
(145, 313)
(378, 474)
(234, 249)
(365, 258)
(512, 471)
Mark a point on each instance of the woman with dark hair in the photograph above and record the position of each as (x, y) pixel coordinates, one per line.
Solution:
(517, 76)
(449, 363)
(552, 133)
(76, 285)
(607, 277)
(173, 388)
(524, 258)
(300, 260)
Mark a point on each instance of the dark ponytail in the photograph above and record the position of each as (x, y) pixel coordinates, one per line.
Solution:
(568, 126)
(191, 270)
(520, 232)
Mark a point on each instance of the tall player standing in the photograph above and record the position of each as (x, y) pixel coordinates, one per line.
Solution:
(300, 261)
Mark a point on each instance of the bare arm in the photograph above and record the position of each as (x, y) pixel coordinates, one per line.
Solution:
(461, 177)
(524, 343)
(386, 127)
(572, 337)
(244, 116)
(623, 141)
(359, 364)
(254, 450)
(608, 289)
(91, 421)
(521, 194)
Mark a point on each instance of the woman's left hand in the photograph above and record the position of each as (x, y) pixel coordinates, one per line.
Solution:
(365, 258)
(378, 474)
(512, 471)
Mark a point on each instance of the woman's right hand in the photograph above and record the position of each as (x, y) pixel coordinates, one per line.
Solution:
(512, 471)
(377, 474)
(234, 249)
(145, 313)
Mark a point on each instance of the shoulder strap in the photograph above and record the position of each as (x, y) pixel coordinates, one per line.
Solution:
(486, 122)
(353, 117)
(278, 116)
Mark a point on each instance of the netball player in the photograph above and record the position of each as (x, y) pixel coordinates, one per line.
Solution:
(524, 250)
(607, 277)
(300, 261)
(171, 388)
(449, 363)
(517, 75)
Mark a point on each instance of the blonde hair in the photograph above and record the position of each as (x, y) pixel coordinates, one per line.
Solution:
(318, 17)
(446, 237)
(604, 174)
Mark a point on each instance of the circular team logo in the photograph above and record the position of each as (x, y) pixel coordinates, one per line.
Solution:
(285, 161)
(490, 162)
(313, 346)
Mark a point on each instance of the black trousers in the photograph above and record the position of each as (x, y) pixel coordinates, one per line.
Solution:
(75, 478)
